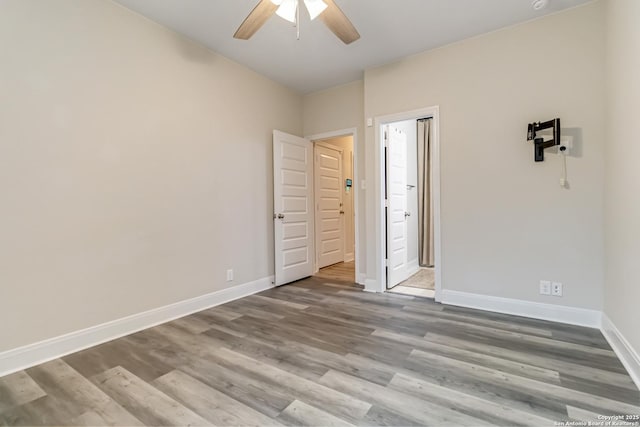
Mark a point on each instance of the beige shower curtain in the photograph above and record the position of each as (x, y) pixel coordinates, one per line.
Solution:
(425, 204)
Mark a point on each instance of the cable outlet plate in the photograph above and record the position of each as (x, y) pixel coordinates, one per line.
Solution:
(556, 289)
(545, 287)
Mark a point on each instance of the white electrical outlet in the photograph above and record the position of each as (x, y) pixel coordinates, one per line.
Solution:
(229, 275)
(545, 287)
(566, 145)
(556, 289)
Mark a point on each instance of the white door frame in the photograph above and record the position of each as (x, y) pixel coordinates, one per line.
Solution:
(380, 282)
(353, 132)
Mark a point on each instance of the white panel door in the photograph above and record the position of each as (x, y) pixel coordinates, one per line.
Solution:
(293, 207)
(329, 209)
(397, 270)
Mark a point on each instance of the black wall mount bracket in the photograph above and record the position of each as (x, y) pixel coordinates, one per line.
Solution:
(539, 143)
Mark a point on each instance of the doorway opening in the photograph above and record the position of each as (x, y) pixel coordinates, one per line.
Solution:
(409, 207)
(335, 203)
(333, 200)
(296, 251)
(407, 199)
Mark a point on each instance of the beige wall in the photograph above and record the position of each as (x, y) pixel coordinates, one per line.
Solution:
(335, 109)
(135, 167)
(622, 203)
(338, 108)
(506, 223)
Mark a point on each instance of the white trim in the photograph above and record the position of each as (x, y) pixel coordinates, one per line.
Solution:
(33, 354)
(356, 178)
(361, 279)
(371, 285)
(380, 229)
(623, 349)
(535, 310)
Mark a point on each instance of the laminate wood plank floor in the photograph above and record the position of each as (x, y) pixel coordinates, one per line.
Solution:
(321, 352)
(342, 271)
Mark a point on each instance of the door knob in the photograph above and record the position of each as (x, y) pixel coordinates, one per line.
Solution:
(406, 214)
(341, 212)
(280, 216)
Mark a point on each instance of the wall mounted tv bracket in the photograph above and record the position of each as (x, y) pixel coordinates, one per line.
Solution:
(539, 143)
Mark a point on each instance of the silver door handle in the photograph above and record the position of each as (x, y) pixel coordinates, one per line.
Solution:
(406, 214)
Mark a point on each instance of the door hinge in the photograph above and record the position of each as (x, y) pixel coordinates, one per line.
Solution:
(386, 263)
(386, 203)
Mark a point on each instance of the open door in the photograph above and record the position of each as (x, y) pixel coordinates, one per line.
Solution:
(396, 142)
(293, 207)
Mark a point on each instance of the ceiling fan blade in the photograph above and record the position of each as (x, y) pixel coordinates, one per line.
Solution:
(256, 19)
(337, 22)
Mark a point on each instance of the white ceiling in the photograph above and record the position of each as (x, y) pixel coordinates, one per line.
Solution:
(390, 30)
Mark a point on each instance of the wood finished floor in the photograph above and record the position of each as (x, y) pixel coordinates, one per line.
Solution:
(326, 353)
(342, 271)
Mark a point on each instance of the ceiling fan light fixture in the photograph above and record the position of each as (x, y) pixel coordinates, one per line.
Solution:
(315, 7)
(287, 10)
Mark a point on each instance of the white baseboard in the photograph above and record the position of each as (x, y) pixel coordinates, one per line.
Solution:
(370, 285)
(362, 278)
(33, 354)
(626, 353)
(535, 310)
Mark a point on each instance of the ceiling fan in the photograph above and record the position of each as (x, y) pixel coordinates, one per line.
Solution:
(327, 10)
